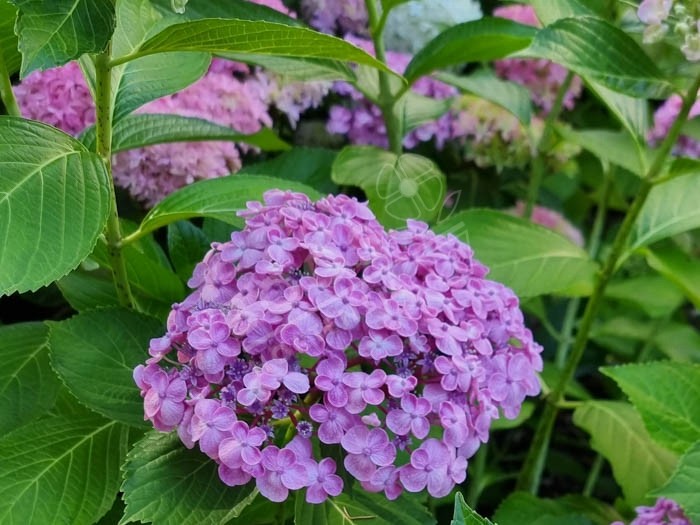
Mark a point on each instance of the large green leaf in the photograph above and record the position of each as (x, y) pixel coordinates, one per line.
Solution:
(679, 341)
(8, 39)
(671, 208)
(529, 258)
(601, 52)
(684, 485)
(678, 267)
(56, 32)
(650, 293)
(28, 386)
(88, 290)
(614, 147)
(95, 354)
(61, 469)
(509, 95)
(258, 37)
(631, 112)
(465, 515)
(216, 198)
(523, 507)
(239, 9)
(638, 463)
(549, 12)
(401, 187)
(165, 483)
(476, 41)
(54, 200)
(297, 69)
(667, 395)
(136, 131)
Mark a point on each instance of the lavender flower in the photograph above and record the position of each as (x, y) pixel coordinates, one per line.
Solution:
(664, 511)
(366, 338)
(336, 16)
(664, 117)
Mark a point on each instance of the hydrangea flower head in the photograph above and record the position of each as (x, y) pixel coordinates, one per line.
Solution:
(336, 16)
(314, 323)
(664, 512)
(664, 117)
(542, 77)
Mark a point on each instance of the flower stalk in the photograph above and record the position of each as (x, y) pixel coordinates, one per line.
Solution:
(8, 97)
(531, 473)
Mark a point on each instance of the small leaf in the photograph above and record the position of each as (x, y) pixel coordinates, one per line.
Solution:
(137, 131)
(684, 485)
(475, 41)
(95, 354)
(667, 395)
(549, 12)
(88, 290)
(528, 258)
(216, 198)
(658, 220)
(638, 463)
(508, 95)
(8, 39)
(398, 187)
(363, 506)
(165, 483)
(465, 515)
(679, 268)
(187, 245)
(601, 52)
(388, 5)
(62, 30)
(413, 110)
(62, 469)
(68, 190)
(650, 293)
(631, 112)
(615, 147)
(679, 342)
(28, 386)
(522, 507)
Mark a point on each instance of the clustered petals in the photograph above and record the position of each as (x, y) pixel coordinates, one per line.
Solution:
(664, 511)
(392, 345)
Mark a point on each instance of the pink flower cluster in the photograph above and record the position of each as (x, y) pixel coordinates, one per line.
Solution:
(664, 512)
(550, 219)
(314, 323)
(336, 16)
(542, 77)
(664, 117)
(361, 120)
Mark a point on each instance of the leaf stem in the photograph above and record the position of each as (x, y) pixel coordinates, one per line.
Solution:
(531, 472)
(6, 93)
(538, 163)
(103, 131)
(593, 476)
(386, 99)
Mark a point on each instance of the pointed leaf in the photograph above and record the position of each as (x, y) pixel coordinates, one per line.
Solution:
(679, 342)
(549, 12)
(476, 41)
(667, 395)
(679, 268)
(649, 293)
(165, 483)
(615, 147)
(631, 112)
(54, 33)
(465, 515)
(638, 463)
(529, 258)
(398, 187)
(297, 69)
(216, 198)
(28, 386)
(54, 200)
(187, 245)
(684, 485)
(523, 507)
(659, 220)
(601, 52)
(8, 39)
(61, 469)
(88, 290)
(95, 354)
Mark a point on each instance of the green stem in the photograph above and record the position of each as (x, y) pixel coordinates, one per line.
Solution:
(531, 472)
(6, 93)
(593, 476)
(386, 99)
(103, 129)
(538, 163)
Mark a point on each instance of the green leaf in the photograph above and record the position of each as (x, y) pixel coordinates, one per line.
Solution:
(388, 5)
(638, 463)
(371, 508)
(61, 469)
(667, 396)
(187, 245)
(684, 485)
(649, 293)
(88, 290)
(165, 483)
(476, 41)
(401, 187)
(95, 354)
(528, 258)
(659, 220)
(54, 200)
(679, 342)
(216, 198)
(615, 147)
(503, 423)
(521, 507)
(28, 386)
(179, 6)
(631, 112)
(549, 12)
(679, 268)
(62, 30)
(413, 110)
(465, 515)
(297, 69)
(240, 9)
(137, 131)
(311, 166)
(8, 39)
(601, 52)
(256, 37)
(508, 95)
